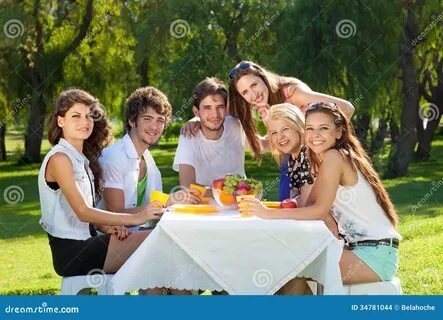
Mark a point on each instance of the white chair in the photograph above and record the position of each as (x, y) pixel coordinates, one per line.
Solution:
(392, 287)
(83, 284)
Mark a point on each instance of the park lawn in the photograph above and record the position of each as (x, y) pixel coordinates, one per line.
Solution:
(25, 257)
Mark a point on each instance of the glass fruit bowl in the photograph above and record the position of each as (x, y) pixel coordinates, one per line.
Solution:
(225, 190)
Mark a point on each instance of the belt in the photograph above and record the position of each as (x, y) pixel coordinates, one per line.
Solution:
(391, 242)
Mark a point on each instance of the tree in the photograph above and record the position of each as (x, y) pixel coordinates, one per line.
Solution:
(403, 151)
(50, 38)
(344, 48)
(430, 61)
(431, 89)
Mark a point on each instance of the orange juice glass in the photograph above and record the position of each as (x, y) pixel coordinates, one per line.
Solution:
(241, 205)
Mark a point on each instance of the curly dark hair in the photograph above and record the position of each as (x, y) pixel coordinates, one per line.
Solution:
(100, 137)
(143, 98)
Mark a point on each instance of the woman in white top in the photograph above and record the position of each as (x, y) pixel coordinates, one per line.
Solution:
(69, 182)
(346, 182)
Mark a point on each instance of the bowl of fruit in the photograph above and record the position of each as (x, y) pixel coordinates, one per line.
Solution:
(225, 190)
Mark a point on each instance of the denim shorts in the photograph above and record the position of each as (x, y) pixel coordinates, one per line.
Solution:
(382, 259)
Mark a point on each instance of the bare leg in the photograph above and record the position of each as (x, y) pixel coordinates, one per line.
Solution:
(151, 292)
(295, 287)
(120, 251)
(354, 270)
(177, 292)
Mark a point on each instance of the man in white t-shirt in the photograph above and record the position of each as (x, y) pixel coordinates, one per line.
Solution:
(219, 147)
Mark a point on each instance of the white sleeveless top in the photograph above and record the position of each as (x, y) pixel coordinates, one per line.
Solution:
(58, 219)
(358, 214)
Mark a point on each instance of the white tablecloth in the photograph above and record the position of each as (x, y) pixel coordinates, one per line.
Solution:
(226, 252)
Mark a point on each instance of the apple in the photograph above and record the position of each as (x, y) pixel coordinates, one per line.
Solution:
(241, 192)
(218, 183)
(289, 203)
(243, 185)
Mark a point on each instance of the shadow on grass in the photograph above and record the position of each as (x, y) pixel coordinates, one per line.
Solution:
(17, 226)
(19, 206)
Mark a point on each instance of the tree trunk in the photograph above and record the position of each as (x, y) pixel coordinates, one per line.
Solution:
(394, 130)
(378, 138)
(36, 122)
(41, 69)
(361, 129)
(144, 67)
(395, 133)
(408, 133)
(2, 142)
(425, 136)
(432, 115)
(233, 30)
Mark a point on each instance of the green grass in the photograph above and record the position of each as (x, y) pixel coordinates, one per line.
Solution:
(25, 257)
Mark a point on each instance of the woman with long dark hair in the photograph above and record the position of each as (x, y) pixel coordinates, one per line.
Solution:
(347, 182)
(69, 185)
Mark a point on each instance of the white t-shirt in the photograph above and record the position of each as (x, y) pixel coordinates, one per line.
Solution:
(358, 214)
(214, 159)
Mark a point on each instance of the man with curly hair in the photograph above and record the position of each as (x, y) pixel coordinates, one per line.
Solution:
(129, 170)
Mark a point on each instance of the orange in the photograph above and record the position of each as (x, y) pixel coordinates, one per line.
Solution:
(206, 200)
(227, 198)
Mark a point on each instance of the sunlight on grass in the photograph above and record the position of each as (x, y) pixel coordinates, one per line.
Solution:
(26, 263)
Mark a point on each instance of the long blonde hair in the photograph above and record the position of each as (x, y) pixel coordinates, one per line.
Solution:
(350, 149)
(241, 109)
(293, 117)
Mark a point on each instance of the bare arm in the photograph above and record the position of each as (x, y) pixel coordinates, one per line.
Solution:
(302, 96)
(325, 187)
(304, 194)
(115, 201)
(186, 175)
(191, 127)
(60, 169)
